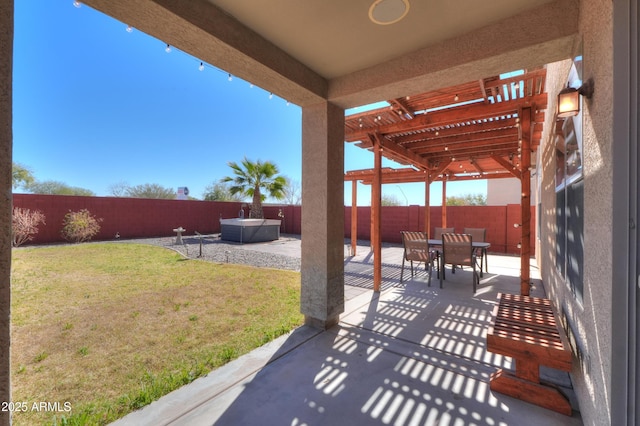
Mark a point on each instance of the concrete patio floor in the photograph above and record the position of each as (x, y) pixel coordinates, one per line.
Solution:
(408, 355)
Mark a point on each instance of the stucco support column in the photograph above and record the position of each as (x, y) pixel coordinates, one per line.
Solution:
(322, 293)
(6, 140)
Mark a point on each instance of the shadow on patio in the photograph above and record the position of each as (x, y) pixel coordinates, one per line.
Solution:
(410, 354)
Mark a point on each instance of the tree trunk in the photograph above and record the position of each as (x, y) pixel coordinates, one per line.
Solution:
(256, 207)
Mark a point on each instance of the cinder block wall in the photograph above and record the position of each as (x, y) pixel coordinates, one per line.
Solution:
(141, 217)
(498, 220)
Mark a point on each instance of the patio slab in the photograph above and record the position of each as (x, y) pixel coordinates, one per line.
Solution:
(410, 354)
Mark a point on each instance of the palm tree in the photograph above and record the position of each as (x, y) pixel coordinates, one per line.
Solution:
(251, 177)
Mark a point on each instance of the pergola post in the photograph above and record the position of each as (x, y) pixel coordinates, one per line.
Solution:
(354, 216)
(444, 201)
(322, 268)
(6, 141)
(525, 185)
(376, 201)
(427, 206)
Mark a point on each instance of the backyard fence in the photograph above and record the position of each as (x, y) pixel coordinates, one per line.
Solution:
(142, 218)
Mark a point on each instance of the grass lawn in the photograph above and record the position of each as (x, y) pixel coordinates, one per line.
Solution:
(108, 328)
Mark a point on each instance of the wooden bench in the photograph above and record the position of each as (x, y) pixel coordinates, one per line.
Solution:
(525, 329)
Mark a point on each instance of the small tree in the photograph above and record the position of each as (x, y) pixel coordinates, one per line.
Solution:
(150, 190)
(80, 226)
(467, 200)
(21, 176)
(54, 187)
(24, 225)
(220, 191)
(389, 200)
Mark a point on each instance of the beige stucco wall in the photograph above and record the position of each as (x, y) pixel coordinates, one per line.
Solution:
(590, 321)
(501, 192)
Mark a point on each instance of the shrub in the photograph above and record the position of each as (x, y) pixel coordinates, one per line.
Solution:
(24, 225)
(80, 226)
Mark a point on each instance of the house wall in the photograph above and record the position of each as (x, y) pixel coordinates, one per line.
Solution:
(588, 321)
(501, 192)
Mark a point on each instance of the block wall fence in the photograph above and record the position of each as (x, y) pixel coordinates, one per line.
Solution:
(142, 218)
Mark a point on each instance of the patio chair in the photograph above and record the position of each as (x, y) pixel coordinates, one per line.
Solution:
(457, 249)
(479, 235)
(416, 249)
(437, 234)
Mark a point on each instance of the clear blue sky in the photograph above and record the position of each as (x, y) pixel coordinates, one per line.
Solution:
(95, 105)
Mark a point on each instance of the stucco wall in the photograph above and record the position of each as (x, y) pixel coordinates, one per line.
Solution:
(501, 192)
(589, 321)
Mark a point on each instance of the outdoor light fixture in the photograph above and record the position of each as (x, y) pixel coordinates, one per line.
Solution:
(569, 99)
(387, 12)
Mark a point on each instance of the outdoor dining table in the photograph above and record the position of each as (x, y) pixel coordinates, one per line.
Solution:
(482, 245)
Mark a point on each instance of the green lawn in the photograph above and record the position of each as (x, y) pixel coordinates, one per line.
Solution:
(108, 328)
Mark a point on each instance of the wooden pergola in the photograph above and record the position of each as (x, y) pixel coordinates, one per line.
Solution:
(484, 129)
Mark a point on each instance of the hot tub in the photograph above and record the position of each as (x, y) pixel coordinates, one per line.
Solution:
(249, 230)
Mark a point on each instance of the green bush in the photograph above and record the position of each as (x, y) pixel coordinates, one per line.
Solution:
(80, 226)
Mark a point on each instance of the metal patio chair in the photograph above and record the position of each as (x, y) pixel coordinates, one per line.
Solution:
(457, 249)
(416, 249)
(479, 235)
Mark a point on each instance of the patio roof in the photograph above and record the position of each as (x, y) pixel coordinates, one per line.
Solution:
(463, 132)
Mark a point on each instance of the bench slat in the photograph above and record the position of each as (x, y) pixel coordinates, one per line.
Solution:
(525, 327)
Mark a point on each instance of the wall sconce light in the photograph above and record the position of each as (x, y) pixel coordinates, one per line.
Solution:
(569, 101)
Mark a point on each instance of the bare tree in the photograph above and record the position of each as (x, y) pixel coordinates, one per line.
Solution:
(119, 189)
(293, 192)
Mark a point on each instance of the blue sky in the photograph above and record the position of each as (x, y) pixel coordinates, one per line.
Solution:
(96, 105)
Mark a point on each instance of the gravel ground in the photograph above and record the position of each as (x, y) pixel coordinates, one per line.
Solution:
(216, 250)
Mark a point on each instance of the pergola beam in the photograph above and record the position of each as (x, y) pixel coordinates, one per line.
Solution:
(509, 167)
(478, 111)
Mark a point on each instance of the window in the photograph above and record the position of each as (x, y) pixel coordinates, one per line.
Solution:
(570, 198)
